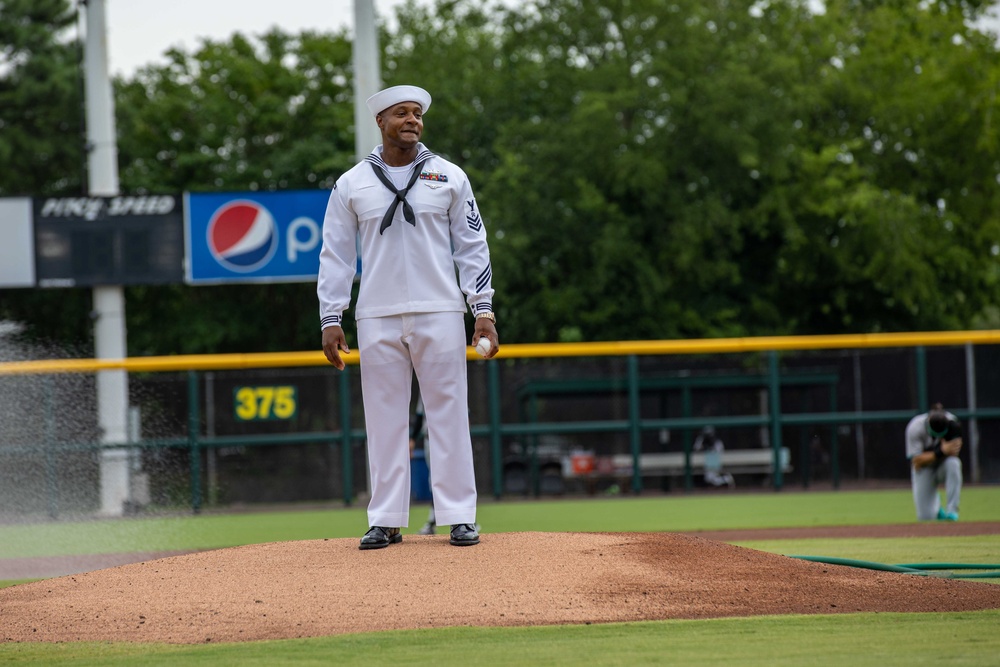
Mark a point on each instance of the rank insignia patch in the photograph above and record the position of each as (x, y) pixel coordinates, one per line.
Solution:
(472, 217)
(433, 176)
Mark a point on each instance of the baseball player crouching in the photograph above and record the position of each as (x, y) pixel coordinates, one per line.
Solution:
(933, 443)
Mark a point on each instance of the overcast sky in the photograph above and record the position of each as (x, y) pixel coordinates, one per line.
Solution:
(140, 31)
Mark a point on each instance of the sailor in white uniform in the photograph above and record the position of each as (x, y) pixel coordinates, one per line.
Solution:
(417, 221)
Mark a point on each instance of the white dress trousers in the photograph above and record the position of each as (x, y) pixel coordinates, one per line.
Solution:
(433, 346)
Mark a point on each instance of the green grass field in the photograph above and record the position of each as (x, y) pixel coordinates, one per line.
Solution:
(856, 639)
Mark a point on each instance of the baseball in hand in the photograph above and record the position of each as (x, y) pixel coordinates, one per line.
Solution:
(484, 346)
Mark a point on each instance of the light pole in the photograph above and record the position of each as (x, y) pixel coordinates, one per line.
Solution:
(108, 300)
(367, 76)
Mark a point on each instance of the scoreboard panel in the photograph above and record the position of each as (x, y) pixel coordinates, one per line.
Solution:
(123, 240)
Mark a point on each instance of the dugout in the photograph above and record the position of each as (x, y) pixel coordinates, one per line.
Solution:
(704, 397)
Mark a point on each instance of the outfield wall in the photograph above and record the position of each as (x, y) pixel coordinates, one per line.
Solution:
(204, 437)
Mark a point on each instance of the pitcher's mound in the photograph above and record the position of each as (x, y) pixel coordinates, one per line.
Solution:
(327, 587)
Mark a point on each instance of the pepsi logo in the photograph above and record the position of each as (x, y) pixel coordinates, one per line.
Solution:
(242, 236)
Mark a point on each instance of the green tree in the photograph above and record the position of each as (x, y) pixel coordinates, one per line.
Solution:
(694, 170)
(891, 221)
(453, 49)
(41, 100)
(627, 189)
(42, 141)
(271, 113)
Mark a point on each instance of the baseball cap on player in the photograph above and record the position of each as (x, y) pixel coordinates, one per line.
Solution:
(384, 99)
(937, 423)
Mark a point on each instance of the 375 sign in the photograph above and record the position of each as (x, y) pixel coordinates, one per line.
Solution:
(265, 403)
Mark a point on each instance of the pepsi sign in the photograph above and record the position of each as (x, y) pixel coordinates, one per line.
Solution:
(242, 236)
(254, 237)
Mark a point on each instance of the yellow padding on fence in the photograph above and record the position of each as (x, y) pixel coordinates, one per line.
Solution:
(517, 351)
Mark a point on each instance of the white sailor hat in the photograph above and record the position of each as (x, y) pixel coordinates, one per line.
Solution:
(384, 99)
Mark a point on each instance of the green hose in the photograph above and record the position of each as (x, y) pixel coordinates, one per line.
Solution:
(923, 569)
(950, 566)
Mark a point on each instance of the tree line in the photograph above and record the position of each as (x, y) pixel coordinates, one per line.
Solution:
(646, 169)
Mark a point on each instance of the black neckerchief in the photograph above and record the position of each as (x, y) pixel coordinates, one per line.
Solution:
(400, 196)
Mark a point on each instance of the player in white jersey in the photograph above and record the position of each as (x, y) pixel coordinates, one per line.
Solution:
(933, 443)
(417, 221)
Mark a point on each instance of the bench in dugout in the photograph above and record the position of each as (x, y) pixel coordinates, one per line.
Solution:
(671, 464)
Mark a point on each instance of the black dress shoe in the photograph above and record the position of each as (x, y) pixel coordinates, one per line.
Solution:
(378, 537)
(464, 535)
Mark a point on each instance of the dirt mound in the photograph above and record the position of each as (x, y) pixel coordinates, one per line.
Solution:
(326, 587)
